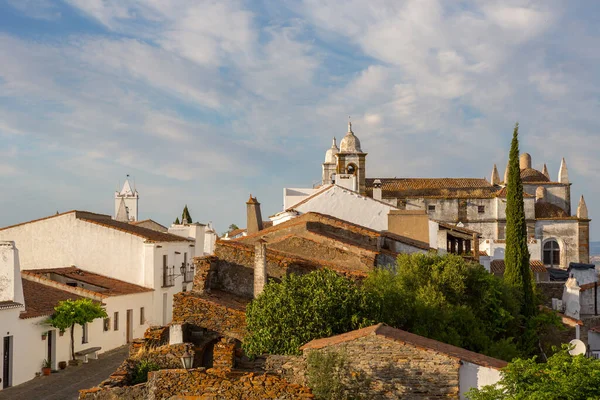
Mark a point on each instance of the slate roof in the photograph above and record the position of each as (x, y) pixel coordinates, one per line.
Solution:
(40, 299)
(433, 187)
(111, 286)
(497, 266)
(411, 339)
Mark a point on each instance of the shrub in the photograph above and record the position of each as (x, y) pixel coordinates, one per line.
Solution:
(141, 369)
(331, 378)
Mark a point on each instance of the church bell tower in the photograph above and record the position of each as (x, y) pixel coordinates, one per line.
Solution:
(351, 163)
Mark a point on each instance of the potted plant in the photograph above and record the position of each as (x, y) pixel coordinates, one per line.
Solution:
(44, 335)
(62, 364)
(46, 368)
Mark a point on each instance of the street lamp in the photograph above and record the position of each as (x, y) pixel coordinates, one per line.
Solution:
(187, 359)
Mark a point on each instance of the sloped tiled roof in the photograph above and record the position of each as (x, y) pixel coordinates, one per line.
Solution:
(548, 210)
(148, 234)
(531, 175)
(497, 266)
(408, 338)
(106, 221)
(502, 193)
(433, 187)
(111, 286)
(5, 305)
(40, 299)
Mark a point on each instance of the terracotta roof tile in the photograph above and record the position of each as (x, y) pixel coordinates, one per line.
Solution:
(497, 266)
(148, 234)
(502, 193)
(107, 221)
(531, 175)
(548, 210)
(433, 187)
(111, 286)
(408, 338)
(40, 299)
(5, 305)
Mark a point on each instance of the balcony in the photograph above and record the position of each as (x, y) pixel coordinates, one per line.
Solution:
(168, 276)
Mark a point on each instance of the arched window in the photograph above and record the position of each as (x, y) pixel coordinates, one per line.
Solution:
(551, 253)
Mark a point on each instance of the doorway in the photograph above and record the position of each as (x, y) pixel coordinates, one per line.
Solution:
(7, 362)
(129, 326)
(51, 356)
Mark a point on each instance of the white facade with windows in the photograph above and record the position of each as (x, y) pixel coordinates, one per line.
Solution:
(28, 298)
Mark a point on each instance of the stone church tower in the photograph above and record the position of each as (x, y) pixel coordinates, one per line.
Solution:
(351, 162)
(330, 164)
(126, 203)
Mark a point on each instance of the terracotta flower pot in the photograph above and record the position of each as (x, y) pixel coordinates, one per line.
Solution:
(62, 364)
(46, 371)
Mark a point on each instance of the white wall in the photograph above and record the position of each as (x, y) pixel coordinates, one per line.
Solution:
(64, 240)
(476, 376)
(29, 350)
(349, 206)
(292, 196)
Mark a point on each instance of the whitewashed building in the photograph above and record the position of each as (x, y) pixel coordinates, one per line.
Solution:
(123, 251)
(28, 298)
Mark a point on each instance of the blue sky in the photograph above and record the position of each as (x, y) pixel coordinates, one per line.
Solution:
(206, 102)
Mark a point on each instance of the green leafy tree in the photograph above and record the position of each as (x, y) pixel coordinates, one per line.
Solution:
(177, 221)
(301, 308)
(516, 258)
(562, 377)
(185, 215)
(70, 312)
(448, 299)
(232, 227)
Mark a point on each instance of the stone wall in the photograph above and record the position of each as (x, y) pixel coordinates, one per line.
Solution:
(224, 354)
(220, 384)
(550, 290)
(394, 370)
(210, 311)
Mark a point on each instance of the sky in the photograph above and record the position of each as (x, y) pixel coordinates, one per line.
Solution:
(206, 102)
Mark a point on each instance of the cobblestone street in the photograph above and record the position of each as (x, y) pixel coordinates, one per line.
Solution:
(65, 385)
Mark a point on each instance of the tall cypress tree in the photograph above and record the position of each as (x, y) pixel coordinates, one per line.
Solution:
(517, 272)
(185, 215)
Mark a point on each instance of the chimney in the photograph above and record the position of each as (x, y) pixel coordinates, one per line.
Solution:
(253, 215)
(377, 193)
(525, 161)
(260, 266)
(11, 288)
(413, 224)
(495, 180)
(563, 174)
(540, 194)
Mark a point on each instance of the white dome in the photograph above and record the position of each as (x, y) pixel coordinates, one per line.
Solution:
(350, 143)
(331, 152)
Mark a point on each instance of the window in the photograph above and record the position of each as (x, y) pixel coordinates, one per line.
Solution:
(431, 208)
(481, 209)
(551, 253)
(168, 273)
(106, 324)
(84, 334)
(142, 316)
(116, 322)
